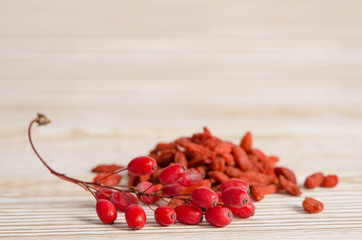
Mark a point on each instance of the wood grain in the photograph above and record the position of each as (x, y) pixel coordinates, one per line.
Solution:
(117, 77)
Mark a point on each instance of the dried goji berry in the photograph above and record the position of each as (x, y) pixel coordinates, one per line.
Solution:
(254, 178)
(174, 202)
(287, 173)
(180, 158)
(219, 176)
(314, 180)
(256, 152)
(241, 158)
(217, 165)
(312, 206)
(330, 181)
(233, 172)
(132, 180)
(156, 173)
(109, 181)
(204, 183)
(164, 146)
(106, 168)
(246, 142)
(271, 159)
(211, 143)
(229, 160)
(289, 186)
(269, 171)
(144, 178)
(258, 192)
(166, 157)
(223, 148)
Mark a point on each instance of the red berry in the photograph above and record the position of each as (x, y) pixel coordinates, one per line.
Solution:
(106, 211)
(219, 216)
(235, 197)
(141, 166)
(122, 200)
(234, 183)
(172, 174)
(204, 197)
(192, 177)
(188, 214)
(173, 189)
(135, 216)
(104, 193)
(243, 212)
(150, 189)
(165, 215)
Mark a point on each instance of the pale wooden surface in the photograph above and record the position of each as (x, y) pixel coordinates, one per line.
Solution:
(117, 77)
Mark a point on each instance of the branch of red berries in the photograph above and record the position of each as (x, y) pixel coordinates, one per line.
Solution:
(167, 191)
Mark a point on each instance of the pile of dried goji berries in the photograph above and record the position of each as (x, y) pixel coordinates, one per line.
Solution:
(219, 160)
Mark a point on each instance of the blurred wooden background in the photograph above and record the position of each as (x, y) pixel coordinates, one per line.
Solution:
(117, 77)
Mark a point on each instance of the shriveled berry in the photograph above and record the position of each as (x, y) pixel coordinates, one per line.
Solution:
(141, 166)
(189, 214)
(234, 183)
(165, 215)
(330, 181)
(122, 200)
(172, 174)
(312, 206)
(106, 168)
(173, 189)
(314, 180)
(109, 181)
(104, 193)
(287, 173)
(192, 177)
(235, 197)
(135, 216)
(204, 197)
(246, 142)
(243, 212)
(106, 211)
(219, 216)
(290, 187)
(145, 188)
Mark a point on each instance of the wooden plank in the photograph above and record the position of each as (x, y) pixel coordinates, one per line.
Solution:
(118, 77)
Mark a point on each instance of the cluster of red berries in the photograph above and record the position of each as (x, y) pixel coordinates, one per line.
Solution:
(218, 207)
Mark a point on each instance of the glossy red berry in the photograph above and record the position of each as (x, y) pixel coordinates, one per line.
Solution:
(234, 183)
(135, 216)
(141, 166)
(149, 188)
(189, 214)
(122, 200)
(244, 212)
(165, 215)
(204, 197)
(235, 197)
(104, 193)
(219, 216)
(192, 177)
(172, 174)
(106, 211)
(173, 189)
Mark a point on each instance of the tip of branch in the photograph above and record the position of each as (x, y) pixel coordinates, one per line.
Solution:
(41, 119)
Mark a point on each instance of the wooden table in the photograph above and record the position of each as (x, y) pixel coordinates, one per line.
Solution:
(117, 77)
